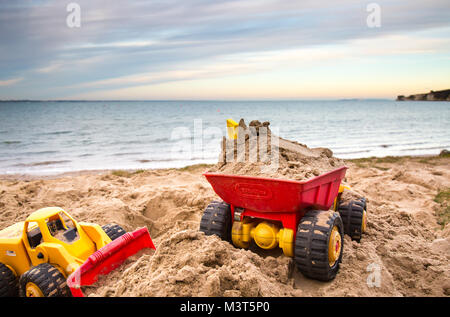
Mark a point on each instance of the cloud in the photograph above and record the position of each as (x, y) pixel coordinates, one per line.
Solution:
(49, 68)
(10, 82)
(242, 63)
(151, 41)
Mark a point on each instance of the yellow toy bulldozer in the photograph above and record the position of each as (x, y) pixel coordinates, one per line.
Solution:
(38, 255)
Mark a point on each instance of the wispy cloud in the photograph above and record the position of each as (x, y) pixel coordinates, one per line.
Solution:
(242, 63)
(9, 82)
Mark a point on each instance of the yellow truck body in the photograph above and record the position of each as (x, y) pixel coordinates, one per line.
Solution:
(50, 235)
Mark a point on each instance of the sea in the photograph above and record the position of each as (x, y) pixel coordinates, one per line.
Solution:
(52, 137)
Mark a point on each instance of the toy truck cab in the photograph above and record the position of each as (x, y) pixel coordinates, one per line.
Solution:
(51, 235)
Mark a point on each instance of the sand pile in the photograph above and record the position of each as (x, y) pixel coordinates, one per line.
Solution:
(188, 263)
(258, 152)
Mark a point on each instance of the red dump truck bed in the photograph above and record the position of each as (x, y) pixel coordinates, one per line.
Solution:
(277, 195)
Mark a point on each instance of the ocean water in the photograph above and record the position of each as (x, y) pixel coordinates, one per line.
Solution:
(54, 137)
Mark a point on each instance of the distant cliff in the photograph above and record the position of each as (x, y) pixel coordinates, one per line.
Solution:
(441, 95)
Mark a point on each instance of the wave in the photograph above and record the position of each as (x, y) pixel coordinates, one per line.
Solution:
(11, 142)
(126, 154)
(44, 163)
(39, 152)
(400, 144)
(415, 143)
(142, 142)
(128, 142)
(373, 146)
(427, 148)
(156, 160)
(57, 132)
(158, 140)
(194, 158)
(353, 152)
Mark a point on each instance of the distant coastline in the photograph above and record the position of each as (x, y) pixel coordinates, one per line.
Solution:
(440, 95)
(191, 100)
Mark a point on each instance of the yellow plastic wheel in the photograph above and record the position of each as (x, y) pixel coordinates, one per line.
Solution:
(334, 246)
(319, 244)
(43, 280)
(364, 222)
(32, 290)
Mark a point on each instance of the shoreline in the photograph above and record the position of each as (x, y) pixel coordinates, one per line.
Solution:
(30, 177)
(125, 172)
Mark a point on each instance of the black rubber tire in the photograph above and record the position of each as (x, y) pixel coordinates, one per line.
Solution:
(9, 286)
(216, 220)
(311, 245)
(352, 217)
(48, 278)
(113, 231)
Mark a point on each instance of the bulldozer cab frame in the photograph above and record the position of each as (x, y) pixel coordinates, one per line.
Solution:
(50, 234)
(59, 225)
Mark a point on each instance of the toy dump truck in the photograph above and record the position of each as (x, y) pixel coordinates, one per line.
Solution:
(50, 254)
(293, 215)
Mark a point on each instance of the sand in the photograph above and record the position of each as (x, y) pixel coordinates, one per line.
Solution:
(404, 242)
(187, 263)
(275, 158)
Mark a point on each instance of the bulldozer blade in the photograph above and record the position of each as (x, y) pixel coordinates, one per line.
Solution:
(108, 258)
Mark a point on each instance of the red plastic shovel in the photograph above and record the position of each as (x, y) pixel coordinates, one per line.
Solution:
(108, 258)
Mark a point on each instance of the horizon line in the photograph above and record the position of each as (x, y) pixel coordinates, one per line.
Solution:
(139, 100)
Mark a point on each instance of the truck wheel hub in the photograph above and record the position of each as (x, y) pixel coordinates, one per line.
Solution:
(32, 290)
(334, 246)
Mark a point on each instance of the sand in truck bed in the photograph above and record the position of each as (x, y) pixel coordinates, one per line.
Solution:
(280, 158)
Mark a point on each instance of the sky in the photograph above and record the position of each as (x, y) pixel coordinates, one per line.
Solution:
(223, 49)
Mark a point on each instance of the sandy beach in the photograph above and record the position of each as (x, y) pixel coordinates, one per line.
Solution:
(407, 239)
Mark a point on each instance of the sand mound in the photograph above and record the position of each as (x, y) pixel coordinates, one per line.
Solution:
(188, 263)
(275, 157)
